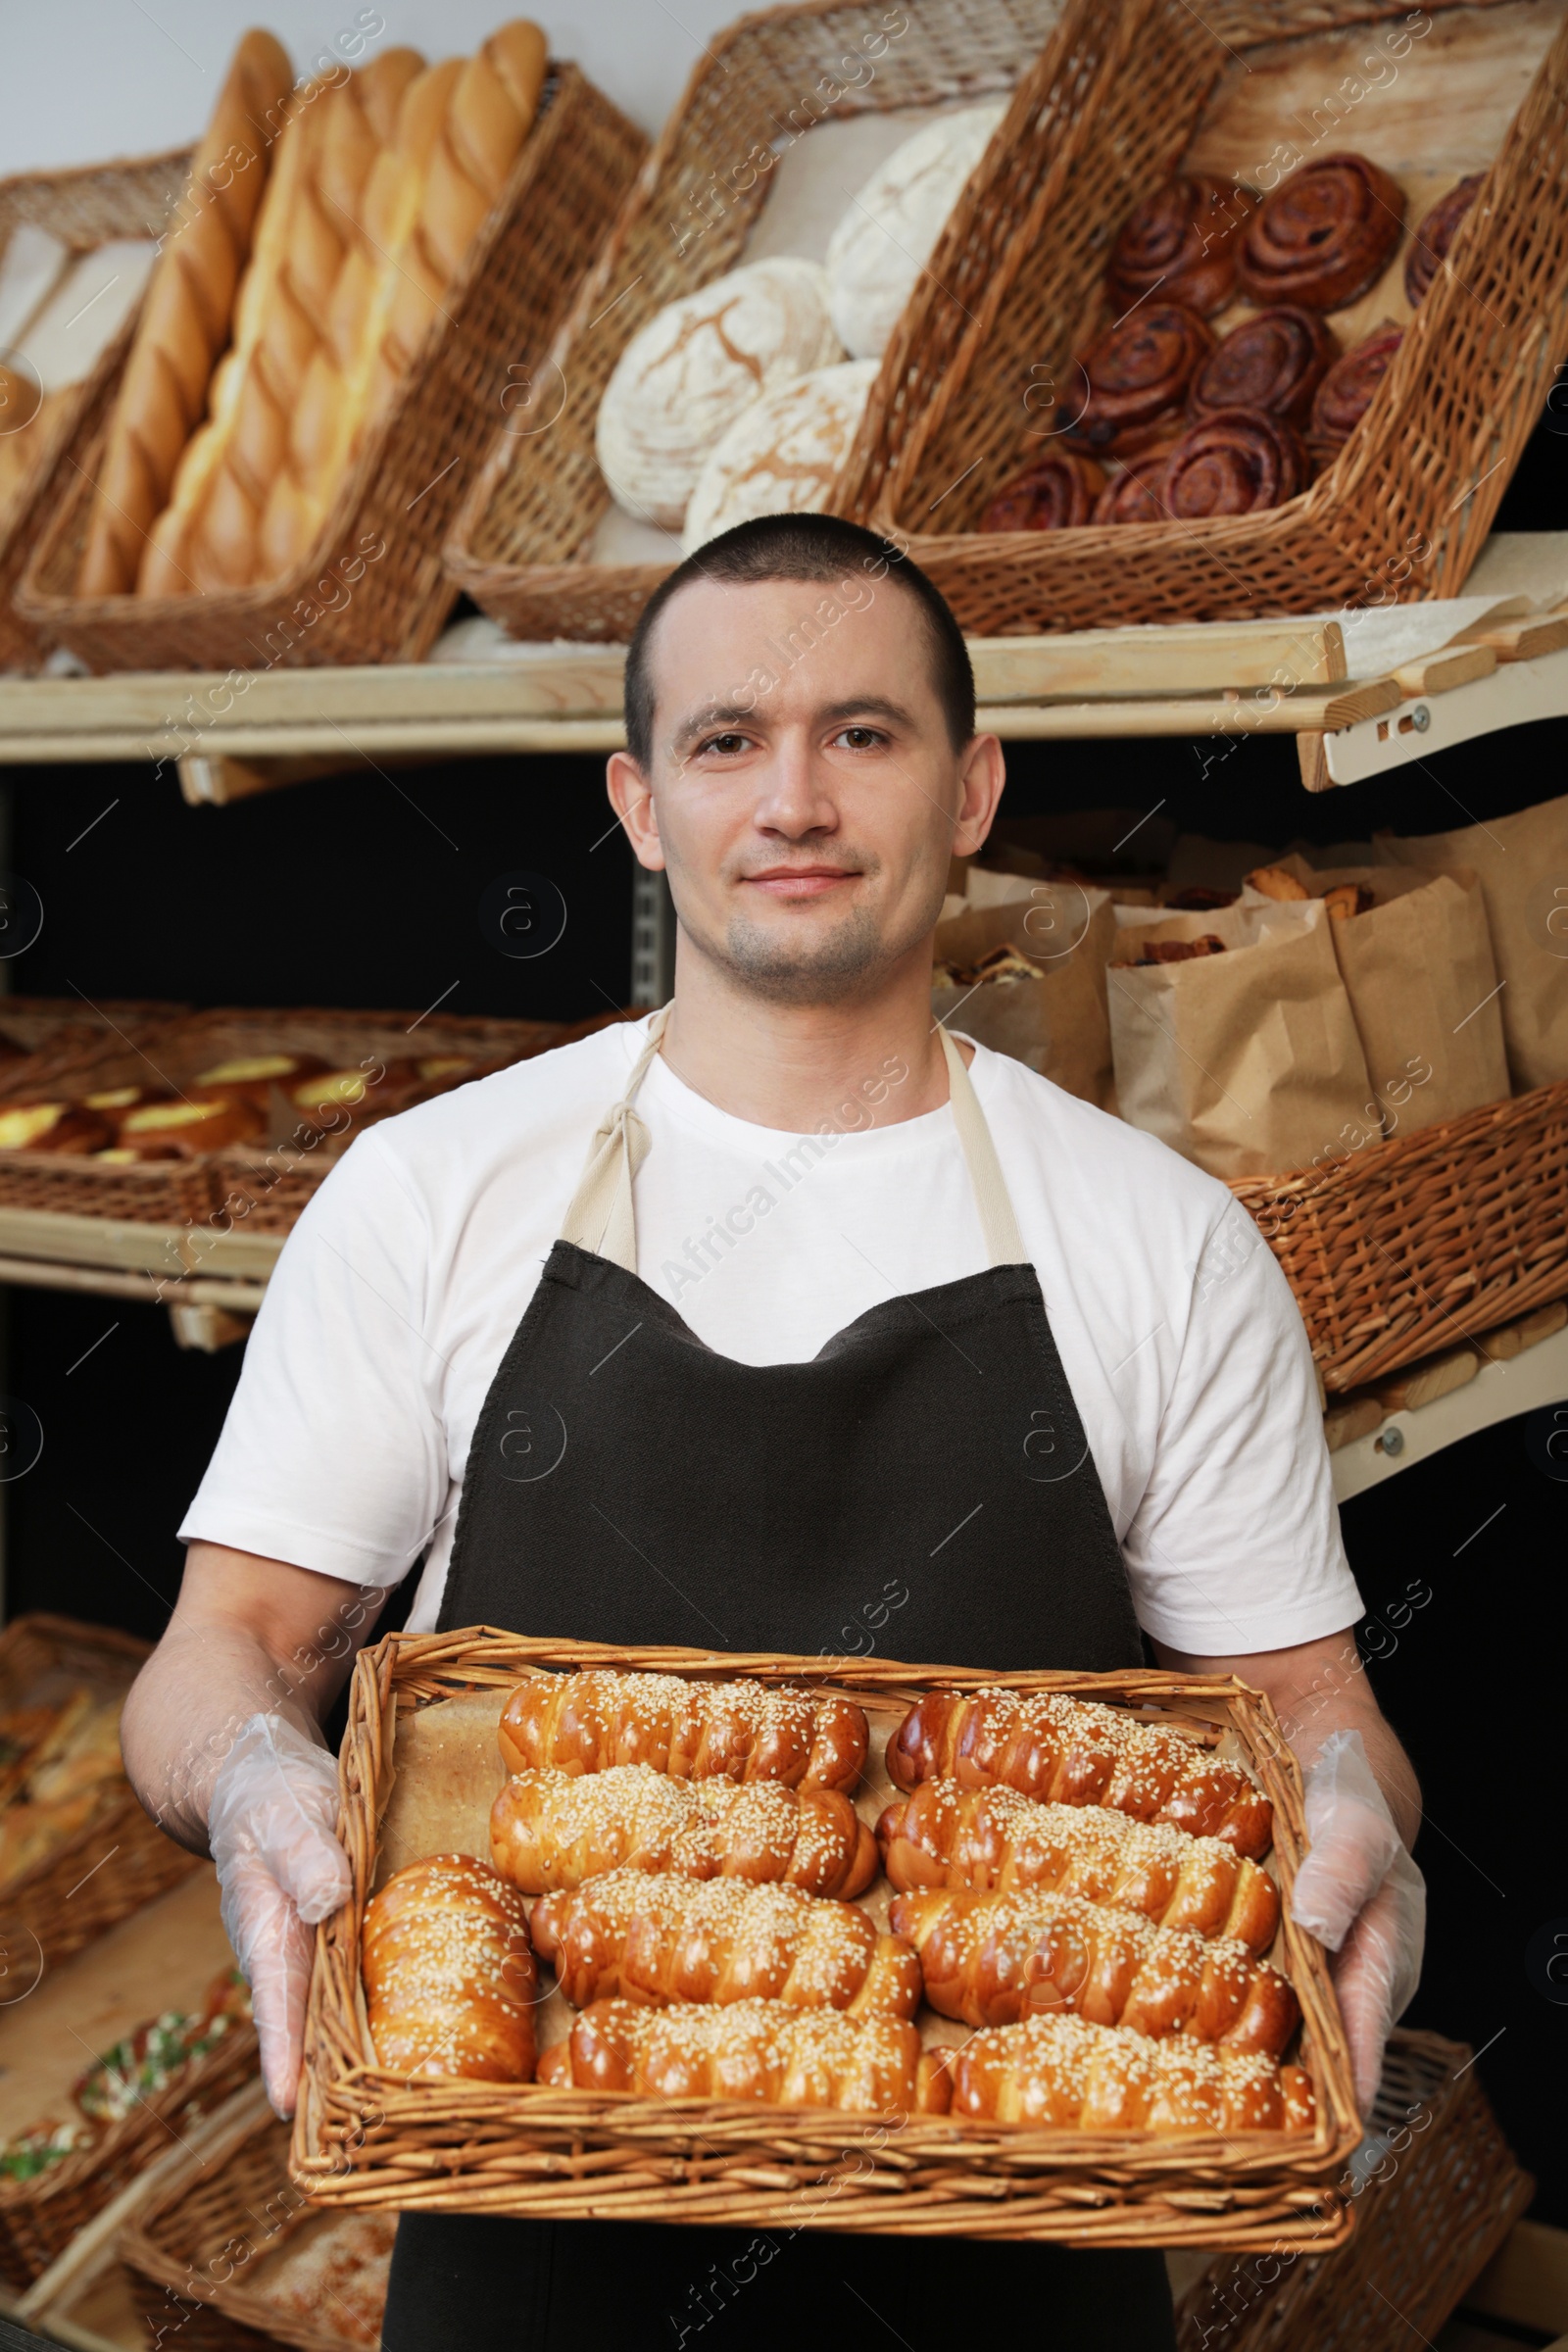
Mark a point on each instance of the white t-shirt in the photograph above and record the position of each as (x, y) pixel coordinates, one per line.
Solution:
(405, 1279)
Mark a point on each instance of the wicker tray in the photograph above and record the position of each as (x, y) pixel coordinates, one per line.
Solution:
(84, 210)
(1424, 1241)
(265, 1188)
(406, 483)
(196, 2251)
(366, 2136)
(1394, 515)
(55, 1033)
(1432, 2205)
(119, 1859)
(520, 545)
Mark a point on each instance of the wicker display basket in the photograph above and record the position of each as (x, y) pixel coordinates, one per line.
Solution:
(55, 1033)
(194, 2250)
(364, 2136)
(405, 482)
(119, 1859)
(1432, 1238)
(1405, 506)
(521, 543)
(1433, 2203)
(84, 210)
(265, 1188)
(40, 2217)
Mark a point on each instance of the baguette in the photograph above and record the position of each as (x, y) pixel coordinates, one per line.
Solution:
(1063, 2070)
(695, 1730)
(310, 222)
(992, 1959)
(660, 1940)
(754, 2050)
(450, 1981)
(551, 1829)
(1071, 1751)
(945, 1835)
(186, 320)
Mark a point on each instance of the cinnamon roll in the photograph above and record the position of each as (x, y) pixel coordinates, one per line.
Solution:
(1138, 372)
(1273, 362)
(1234, 463)
(1428, 247)
(1324, 237)
(1182, 242)
(1136, 495)
(1055, 493)
(1345, 392)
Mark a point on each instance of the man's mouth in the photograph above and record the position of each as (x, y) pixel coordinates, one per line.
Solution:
(799, 881)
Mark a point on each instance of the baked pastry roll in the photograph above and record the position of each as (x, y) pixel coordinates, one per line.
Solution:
(697, 1731)
(1056, 493)
(1073, 1751)
(1138, 374)
(1346, 393)
(552, 1830)
(754, 2050)
(1138, 493)
(992, 1959)
(1273, 362)
(1063, 2071)
(1324, 236)
(1236, 461)
(656, 1938)
(450, 1981)
(1181, 243)
(1428, 247)
(945, 1835)
(53, 1127)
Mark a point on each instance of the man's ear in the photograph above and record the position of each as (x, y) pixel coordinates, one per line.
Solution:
(982, 773)
(631, 797)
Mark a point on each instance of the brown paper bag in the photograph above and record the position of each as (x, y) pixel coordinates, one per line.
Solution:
(1056, 1021)
(1522, 861)
(1248, 1063)
(1417, 968)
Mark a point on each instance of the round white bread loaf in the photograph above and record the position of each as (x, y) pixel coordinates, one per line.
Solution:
(684, 378)
(887, 235)
(781, 454)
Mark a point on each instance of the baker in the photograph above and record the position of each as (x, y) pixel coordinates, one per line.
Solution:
(785, 1320)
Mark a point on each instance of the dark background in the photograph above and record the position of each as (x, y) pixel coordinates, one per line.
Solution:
(365, 891)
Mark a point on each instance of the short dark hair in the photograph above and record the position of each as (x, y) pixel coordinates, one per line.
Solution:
(803, 546)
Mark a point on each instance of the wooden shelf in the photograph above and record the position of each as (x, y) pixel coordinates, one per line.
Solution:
(243, 732)
(1496, 1392)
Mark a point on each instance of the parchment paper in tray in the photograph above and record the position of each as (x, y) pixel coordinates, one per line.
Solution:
(449, 1773)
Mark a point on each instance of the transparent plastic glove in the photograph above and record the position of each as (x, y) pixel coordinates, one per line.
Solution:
(1359, 1893)
(280, 1869)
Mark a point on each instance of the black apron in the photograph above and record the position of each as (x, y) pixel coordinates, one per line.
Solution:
(923, 1488)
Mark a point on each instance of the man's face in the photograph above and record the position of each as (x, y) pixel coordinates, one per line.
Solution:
(805, 792)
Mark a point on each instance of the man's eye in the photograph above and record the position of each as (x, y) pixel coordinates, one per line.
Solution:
(859, 739)
(726, 745)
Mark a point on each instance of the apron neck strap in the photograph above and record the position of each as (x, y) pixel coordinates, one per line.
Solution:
(1004, 1242)
(599, 1217)
(600, 1220)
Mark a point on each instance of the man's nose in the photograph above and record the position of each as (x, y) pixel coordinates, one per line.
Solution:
(795, 797)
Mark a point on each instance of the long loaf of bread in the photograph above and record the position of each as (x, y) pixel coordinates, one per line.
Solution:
(450, 1981)
(697, 1731)
(552, 1830)
(1072, 1752)
(186, 320)
(752, 2050)
(992, 1959)
(993, 1838)
(493, 102)
(658, 1939)
(1063, 2070)
(209, 536)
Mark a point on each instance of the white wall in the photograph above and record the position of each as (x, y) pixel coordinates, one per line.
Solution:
(81, 80)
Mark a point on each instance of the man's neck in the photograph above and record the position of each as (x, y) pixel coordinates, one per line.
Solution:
(791, 1066)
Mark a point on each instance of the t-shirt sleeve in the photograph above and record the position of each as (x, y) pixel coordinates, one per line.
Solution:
(331, 1456)
(1236, 1543)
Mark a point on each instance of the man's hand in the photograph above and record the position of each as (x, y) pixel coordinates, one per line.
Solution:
(1358, 1891)
(280, 1869)
(223, 1744)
